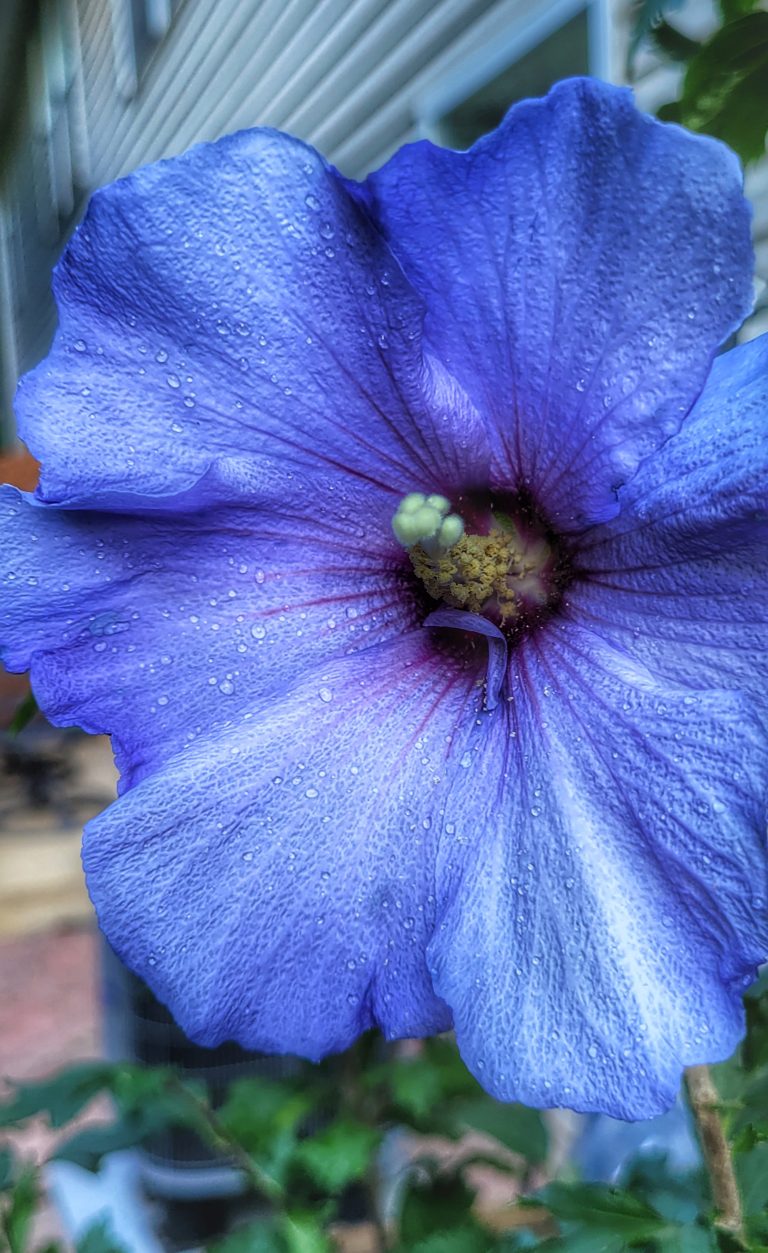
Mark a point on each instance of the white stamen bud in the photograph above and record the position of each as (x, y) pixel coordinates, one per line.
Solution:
(426, 520)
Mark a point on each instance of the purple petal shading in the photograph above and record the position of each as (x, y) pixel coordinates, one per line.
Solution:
(680, 577)
(275, 882)
(596, 935)
(234, 328)
(161, 631)
(580, 267)
(459, 619)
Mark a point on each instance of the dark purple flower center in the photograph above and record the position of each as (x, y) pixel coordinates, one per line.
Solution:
(507, 566)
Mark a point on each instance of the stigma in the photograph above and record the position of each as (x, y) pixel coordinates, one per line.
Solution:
(506, 574)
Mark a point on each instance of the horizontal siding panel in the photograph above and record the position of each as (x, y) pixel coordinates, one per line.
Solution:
(355, 77)
(379, 92)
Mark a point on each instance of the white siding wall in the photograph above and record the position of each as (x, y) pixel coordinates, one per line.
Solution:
(350, 76)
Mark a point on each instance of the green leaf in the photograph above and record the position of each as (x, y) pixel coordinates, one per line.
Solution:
(731, 9)
(678, 1197)
(754, 1050)
(339, 1154)
(257, 1237)
(420, 1091)
(752, 1175)
(669, 112)
(515, 1126)
(17, 1215)
(440, 1204)
(62, 1096)
(673, 43)
(90, 1146)
(754, 1102)
(460, 1240)
(417, 1087)
(601, 1208)
(689, 1239)
(140, 1118)
(725, 92)
(303, 1233)
(583, 1242)
(23, 715)
(258, 1110)
(99, 1239)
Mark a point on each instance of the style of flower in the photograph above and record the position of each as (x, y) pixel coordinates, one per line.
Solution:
(506, 772)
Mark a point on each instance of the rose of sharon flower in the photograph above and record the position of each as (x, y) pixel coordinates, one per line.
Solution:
(409, 543)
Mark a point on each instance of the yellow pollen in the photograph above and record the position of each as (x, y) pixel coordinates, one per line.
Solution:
(481, 570)
(501, 572)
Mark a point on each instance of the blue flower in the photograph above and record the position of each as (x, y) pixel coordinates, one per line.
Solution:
(503, 772)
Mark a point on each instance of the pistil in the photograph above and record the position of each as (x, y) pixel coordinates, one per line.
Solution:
(500, 574)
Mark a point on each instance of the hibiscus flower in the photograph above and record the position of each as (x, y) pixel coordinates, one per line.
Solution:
(408, 540)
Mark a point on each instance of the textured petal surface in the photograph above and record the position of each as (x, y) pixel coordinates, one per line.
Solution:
(232, 326)
(681, 576)
(595, 936)
(580, 266)
(275, 882)
(158, 631)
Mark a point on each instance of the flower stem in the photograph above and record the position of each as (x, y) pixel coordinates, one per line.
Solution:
(259, 1181)
(704, 1102)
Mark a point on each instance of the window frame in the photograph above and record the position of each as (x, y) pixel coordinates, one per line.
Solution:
(501, 50)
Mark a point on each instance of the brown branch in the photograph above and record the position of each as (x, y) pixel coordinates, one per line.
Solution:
(705, 1102)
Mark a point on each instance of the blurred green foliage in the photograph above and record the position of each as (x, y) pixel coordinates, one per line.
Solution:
(725, 85)
(302, 1144)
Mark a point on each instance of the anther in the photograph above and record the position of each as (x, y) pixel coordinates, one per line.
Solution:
(501, 574)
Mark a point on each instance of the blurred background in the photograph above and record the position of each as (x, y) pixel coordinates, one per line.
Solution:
(90, 89)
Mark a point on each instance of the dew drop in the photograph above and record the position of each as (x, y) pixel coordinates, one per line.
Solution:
(325, 694)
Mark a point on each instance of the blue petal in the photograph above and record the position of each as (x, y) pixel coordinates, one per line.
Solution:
(681, 576)
(475, 623)
(275, 882)
(580, 267)
(596, 936)
(159, 631)
(233, 327)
